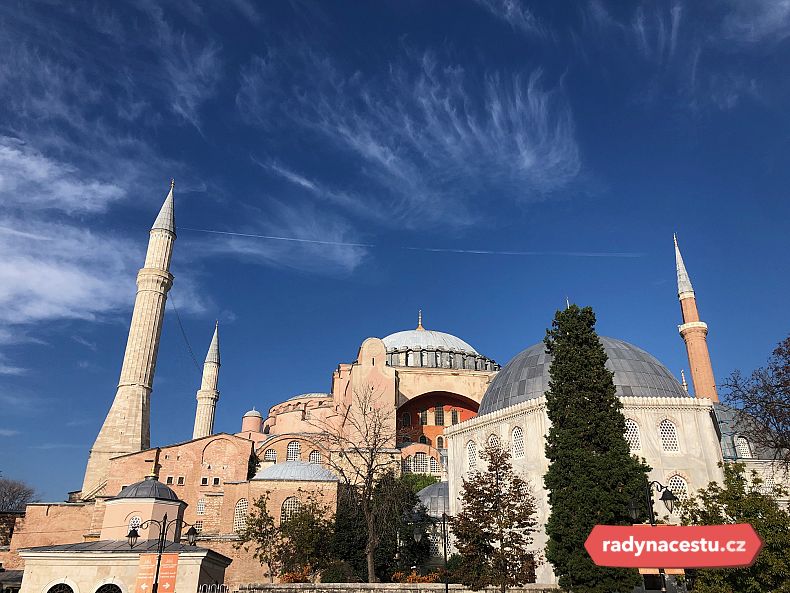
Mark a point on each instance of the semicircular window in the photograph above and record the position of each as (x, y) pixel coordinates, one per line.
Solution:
(60, 588)
(109, 588)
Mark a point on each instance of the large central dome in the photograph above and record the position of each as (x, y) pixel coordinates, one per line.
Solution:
(424, 339)
(527, 376)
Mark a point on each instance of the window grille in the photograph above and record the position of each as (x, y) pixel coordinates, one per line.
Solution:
(424, 417)
(240, 515)
(270, 455)
(679, 487)
(440, 442)
(669, 436)
(60, 588)
(742, 448)
(291, 506)
(433, 540)
(420, 463)
(471, 455)
(493, 441)
(405, 419)
(438, 415)
(315, 456)
(632, 435)
(454, 416)
(435, 469)
(407, 465)
(109, 588)
(135, 522)
(201, 506)
(517, 444)
(769, 485)
(294, 451)
(198, 526)
(423, 439)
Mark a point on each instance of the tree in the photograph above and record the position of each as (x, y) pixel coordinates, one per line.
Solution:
(419, 481)
(742, 500)
(592, 475)
(765, 398)
(15, 495)
(362, 449)
(262, 533)
(307, 538)
(493, 531)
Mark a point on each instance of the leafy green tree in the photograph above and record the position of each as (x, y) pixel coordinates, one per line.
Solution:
(493, 531)
(418, 481)
(262, 535)
(742, 500)
(592, 475)
(307, 538)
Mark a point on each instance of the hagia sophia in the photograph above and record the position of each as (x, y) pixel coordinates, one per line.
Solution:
(444, 401)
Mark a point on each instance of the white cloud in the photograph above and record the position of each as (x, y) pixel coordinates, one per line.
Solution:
(5, 432)
(516, 15)
(757, 21)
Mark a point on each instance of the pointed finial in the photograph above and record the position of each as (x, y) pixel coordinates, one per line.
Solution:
(172, 183)
(419, 320)
(213, 349)
(684, 282)
(567, 303)
(683, 381)
(166, 220)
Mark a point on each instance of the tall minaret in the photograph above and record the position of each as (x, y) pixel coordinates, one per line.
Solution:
(694, 333)
(208, 395)
(127, 427)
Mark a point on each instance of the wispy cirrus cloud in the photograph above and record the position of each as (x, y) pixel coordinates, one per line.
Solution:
(517, 15)
(423, 140)
(757, 21)
(7, 432)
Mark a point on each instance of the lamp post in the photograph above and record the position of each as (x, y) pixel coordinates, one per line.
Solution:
(164, 525)
(668, 498)
(445, 543)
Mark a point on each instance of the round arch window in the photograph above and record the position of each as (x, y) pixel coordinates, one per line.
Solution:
(60, 588)
(109, 588)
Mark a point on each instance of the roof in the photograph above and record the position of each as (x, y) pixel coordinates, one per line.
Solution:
(296, 471)
(254, 413)
(11, 577)
(166, 220)
(315, 395)
(731, 423)
(213, 350)
(423, 338)
(436, 498)
(148, 488)
(684, 282)
(526, 376)
(122, 546)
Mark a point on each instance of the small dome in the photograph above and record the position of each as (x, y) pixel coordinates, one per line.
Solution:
(310, 396)
(435, 498)
(526, 376)
(423, 338)
(296, 471)
(148, 488)
(252, 414)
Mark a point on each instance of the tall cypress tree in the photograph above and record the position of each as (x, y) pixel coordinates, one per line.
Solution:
(592, 475)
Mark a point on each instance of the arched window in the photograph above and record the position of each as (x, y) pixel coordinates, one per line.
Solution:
(438, 416)
(201, 506)
(454, 416)
(742, 448)
(424, 417)
(405, 419)
(679, 486)
(109, 588)
(407, 465)
(270, 455)
(669, 436)
(493, 441)
(135, 522)
(420, 463)
(294, 451)
(60, 588)
(632, 435)
(291, 506)
(240, 515)
(440, 442)
(435, 469)
(315, 456)
(471, 455)
(517, 444)
(423, 439)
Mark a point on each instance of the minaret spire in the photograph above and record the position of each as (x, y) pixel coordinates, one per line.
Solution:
(208, 395)
(694, 333)
(127, 427)
(419, 320)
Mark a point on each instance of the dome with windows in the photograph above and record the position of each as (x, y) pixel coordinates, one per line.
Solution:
(526, 376)
(427, 348)
(148, 488)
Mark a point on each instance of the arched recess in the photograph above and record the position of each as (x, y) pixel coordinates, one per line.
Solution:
(449, 408)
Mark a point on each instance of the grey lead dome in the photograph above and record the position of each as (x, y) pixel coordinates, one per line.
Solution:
(148, 488)
(527, 376)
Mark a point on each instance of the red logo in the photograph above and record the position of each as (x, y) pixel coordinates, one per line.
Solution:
(673, 546)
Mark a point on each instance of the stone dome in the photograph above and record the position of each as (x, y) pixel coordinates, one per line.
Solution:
(423, 338)
(526, 376)
(148, 488)
(296, 471)
(435, 498)
(253, 414)
(434, 349)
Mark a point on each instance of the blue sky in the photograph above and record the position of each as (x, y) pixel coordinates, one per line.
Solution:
(403, 136)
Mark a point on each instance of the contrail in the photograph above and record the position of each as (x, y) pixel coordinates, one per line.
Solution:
(626, 254)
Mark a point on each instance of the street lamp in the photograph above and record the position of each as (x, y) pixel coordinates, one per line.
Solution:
(164, 526)
(445, 543)
(668, 498)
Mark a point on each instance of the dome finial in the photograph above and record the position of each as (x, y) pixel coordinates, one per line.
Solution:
(419, 320)
(683, 381)
(154, 474)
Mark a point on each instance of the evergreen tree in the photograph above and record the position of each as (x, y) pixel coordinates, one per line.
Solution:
(742, 500)
(493, 531)
(592, 475)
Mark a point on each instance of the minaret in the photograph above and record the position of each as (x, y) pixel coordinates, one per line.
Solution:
(208, 395)
(127, 427)
(694, 333)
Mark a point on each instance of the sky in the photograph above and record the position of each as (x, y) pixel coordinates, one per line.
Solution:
(480, 160)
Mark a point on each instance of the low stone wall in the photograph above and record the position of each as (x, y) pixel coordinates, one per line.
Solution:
(383, 588)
